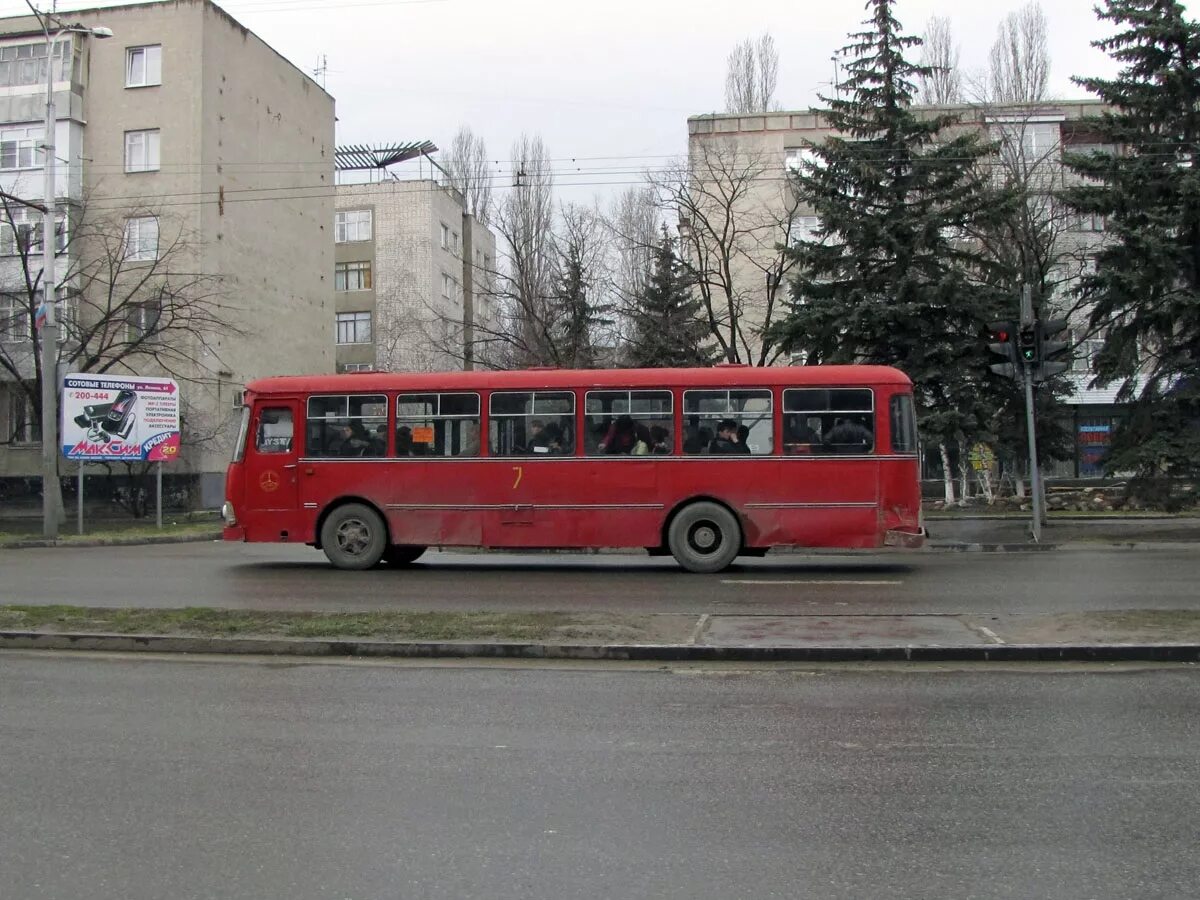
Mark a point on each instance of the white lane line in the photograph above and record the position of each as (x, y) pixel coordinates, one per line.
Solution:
(699, 629)
(989, 633)
(806, 581)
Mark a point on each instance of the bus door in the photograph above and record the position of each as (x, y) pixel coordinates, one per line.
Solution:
(270, 465)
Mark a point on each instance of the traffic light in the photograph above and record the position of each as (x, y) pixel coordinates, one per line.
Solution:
(1027, 344)
(1002, 337)
(1051, 352)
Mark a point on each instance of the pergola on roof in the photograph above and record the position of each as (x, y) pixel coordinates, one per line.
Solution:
(359, 156)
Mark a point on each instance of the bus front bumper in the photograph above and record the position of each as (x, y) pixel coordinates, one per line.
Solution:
(233, 533)
(909, 540)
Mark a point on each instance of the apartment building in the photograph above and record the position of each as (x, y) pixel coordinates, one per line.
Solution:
(411, 275)
(187, 147)
(725, 147)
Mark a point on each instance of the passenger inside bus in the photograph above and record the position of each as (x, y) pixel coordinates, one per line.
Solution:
(849, 435)
(726, 441)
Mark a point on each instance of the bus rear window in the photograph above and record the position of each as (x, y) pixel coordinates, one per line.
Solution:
(904, 424)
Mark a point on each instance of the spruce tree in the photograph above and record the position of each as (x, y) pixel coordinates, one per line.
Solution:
(668, 326)
(1145, 290)
(889, 277)
(575, 317)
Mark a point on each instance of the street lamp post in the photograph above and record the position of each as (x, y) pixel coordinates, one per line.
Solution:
(49, 310)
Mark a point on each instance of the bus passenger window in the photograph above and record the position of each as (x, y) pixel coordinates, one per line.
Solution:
(628, 423)
(737, 423)
(532, 423)
(437, 425)
(346, 426)
(823, 421)
(274, 430)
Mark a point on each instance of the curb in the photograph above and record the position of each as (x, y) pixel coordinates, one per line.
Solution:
(28, 640)
(34, 543)
(974, 547)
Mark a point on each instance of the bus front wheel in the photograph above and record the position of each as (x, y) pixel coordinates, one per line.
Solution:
(354, 537)
(704, 537)
(402, 554)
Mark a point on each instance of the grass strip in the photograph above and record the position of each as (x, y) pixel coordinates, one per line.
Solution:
(67, 535)
(422, 626)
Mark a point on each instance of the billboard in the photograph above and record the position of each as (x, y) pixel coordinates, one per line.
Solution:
(120, 417)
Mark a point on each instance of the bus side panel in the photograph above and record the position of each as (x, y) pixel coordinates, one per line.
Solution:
(900, 495)
(811, 502)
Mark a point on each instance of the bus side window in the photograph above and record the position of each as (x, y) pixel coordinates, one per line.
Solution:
(274, 430)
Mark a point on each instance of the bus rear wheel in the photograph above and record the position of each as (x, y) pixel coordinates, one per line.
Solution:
(402, 554)
(704, 537)
(354, 537)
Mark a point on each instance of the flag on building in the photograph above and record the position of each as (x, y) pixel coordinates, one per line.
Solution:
(39, 316)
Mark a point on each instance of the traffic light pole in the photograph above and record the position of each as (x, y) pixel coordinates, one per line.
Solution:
(1035, 481)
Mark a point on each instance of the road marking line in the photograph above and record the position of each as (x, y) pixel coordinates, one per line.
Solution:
(987, 631)
(699, 629)
(807, 581)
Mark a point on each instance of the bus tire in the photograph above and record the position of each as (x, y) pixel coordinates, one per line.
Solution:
(402, 554)
(704, 537)
(354, 537)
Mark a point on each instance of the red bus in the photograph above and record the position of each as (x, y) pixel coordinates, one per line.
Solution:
(704, 464)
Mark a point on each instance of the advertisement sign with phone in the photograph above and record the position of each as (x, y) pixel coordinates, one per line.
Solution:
(118, 417)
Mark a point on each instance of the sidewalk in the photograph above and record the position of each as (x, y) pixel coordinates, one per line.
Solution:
(958, 532)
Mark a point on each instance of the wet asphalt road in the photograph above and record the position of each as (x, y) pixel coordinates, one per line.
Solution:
(274, 577)
(142, 779)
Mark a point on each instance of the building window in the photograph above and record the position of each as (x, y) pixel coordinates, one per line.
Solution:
(143, 320)
(143, 66)
(14, 319)
(454, 245)
(357, 367)
(352, 276)
(352, 225)
(354, 328)
(20, 425)
(445, 236)
(141, 239)
(25, 64)
(19, 147)
(22, 232)
(1090, 222)
(449, 287)
(141, 151)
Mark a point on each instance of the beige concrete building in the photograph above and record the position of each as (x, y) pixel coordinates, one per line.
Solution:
(187, 147)
(743, 160)
(410, 275)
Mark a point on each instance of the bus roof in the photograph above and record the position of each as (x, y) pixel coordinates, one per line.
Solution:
(551, 379)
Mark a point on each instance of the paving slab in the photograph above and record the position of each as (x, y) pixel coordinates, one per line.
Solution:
(839, 631)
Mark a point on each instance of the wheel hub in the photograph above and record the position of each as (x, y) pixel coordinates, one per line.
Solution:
(705, 537)
(353, 537)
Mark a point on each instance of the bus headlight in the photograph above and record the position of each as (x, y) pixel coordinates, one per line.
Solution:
(228, 514)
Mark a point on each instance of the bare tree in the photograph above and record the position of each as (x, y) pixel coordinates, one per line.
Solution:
(129, 300)
(470, 174)
(751, 76)
(1019, 62)
(521, 292)
(634, 223)
(736, 214)
(942, 84)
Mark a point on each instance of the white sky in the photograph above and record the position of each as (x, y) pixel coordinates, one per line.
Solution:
(608, 85)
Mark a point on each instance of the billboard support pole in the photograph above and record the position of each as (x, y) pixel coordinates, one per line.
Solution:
(158, 478)
(79, 499)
